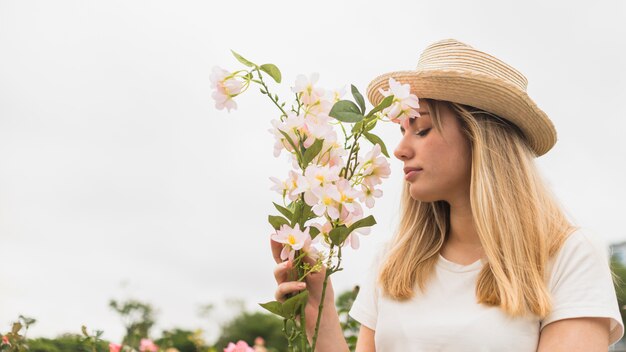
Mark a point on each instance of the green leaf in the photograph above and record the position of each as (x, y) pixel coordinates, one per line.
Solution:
(357, 126)
(365, 222)
(383, 104)
(272, 70)
(370, 126)
(297, 213)
(346, 111)
(292, 305)
(283, 211)
(242, 60)
(288, 138)
(274, 307)
(338, 235)
(277, 221)
(308, 212)
(359, 98)
(313, 231)
(376, 140)
(312, 151)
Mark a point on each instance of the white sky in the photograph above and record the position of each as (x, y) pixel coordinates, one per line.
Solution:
(119, 179)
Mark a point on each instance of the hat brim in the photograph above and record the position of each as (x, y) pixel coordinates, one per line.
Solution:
(480, 91)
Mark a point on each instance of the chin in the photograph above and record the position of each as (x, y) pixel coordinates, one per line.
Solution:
(423, 195)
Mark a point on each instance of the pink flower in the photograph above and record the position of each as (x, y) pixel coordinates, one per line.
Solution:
(311, 95)
(353, 238)
(368, 194)
(259, 341)
(329, 197)
(347, 193)
(113, 347)
(5, 340)
(146, 345)
(293, 239)
(375, 167)
(241, 346)
(403, 102)
(291, 187)
(337, 94)
(292, 125)
(226, 87)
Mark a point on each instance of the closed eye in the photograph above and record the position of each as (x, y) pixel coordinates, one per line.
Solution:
(423, 132)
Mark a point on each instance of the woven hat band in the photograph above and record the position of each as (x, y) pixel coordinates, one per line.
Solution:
(456, 56)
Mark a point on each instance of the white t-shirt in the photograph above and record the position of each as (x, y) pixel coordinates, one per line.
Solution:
(447, 318)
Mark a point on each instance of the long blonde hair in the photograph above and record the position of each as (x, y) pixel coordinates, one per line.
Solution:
(519, 223)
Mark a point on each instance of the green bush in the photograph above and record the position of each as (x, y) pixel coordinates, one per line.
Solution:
(247, 326)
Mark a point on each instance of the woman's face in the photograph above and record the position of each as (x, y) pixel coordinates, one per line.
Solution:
(441, 160)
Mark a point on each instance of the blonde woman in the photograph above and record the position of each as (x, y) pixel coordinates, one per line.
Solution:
(483, 258)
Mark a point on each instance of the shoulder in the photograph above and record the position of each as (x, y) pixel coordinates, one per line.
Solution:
(579, 246)
(581, 284)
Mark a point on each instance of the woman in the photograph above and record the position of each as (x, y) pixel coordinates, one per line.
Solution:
(484, 258)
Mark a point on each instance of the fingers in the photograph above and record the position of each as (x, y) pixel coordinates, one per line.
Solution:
(276, 249)
(281, 271)
(287, 288)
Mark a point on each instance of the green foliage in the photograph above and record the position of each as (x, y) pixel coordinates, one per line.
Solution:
(138, 319)
(63, 343)
(349, 326)
(273, 71)
(182, 340)
(359, 98)
(290, 308)
(374, 139)
(17, 338)
(619, 271)
(243, 60)
(247, 326)
(346, 111)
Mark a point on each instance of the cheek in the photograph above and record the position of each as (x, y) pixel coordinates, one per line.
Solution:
(449, 162)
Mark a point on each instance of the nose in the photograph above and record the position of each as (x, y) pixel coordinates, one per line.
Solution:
(403, 150)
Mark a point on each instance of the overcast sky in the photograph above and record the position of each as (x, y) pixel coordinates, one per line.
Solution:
(119, 179)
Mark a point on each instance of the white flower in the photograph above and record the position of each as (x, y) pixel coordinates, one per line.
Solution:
(368, 194)
(374, 167)
(329, 198)
(226, 87)
(292, 238)
(290, 125)
(310, 94)
(403, 102)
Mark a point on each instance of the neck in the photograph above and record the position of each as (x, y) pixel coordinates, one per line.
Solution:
(462, 230)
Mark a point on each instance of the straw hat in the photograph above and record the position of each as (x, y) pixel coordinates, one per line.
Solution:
(454, 71)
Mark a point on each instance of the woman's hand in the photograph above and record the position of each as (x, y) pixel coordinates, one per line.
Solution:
(314, 283)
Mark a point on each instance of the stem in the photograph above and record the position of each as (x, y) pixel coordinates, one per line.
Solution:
(329, 271)
(345, 170)
(303, 307)
(267, 92)
(286, 334)
(303, 327)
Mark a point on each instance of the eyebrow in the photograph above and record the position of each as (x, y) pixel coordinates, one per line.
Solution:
(412, 121)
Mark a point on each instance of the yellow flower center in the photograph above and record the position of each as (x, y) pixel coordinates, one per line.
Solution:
(291, 239)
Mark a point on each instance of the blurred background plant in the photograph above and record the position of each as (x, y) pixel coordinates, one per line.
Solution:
(262, 331)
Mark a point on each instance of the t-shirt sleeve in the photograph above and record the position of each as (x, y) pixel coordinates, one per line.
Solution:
(365, 306)
(582, 286)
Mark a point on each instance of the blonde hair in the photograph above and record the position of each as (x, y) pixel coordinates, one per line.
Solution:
(519, 223)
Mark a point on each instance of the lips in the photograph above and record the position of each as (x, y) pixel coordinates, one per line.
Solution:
(409, 169)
